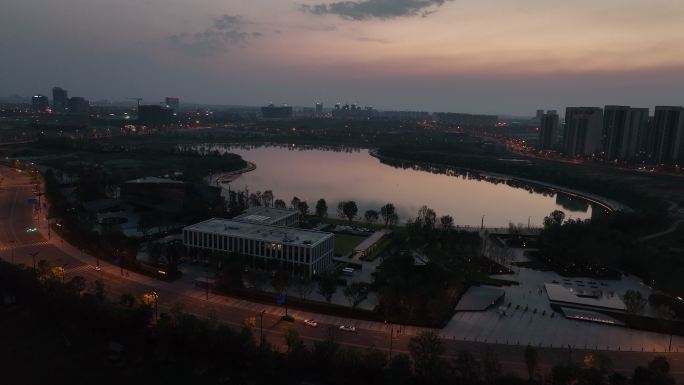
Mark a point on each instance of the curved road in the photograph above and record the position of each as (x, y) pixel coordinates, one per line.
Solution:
(19, 246)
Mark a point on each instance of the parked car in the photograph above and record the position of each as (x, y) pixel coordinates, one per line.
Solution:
(287, 318)
(310, 323)
(347, 328)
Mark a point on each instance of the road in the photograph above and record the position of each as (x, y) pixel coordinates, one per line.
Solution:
(16, 215)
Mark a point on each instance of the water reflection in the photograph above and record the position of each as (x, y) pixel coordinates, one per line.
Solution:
(342, 173)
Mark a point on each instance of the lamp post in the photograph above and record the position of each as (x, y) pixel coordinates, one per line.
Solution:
(482, 223)
(261, 328)
(33, 255)
(391, 340)
(206, 284)
(156, 305)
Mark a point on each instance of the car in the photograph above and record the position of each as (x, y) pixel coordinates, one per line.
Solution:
(287, 318)
(97, 268)
(347, 328)
(310, 323)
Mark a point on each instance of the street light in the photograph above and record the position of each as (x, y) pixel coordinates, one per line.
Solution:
(482, 223)
(261, 328)
(33, 255)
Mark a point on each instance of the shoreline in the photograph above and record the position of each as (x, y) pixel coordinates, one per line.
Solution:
(227, 177)
(603, 202)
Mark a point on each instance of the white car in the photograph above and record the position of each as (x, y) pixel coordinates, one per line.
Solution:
(347, 328)
(310, 323)
(97, 268)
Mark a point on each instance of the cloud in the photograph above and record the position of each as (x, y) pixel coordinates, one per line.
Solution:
(225, 32)
(375, 9)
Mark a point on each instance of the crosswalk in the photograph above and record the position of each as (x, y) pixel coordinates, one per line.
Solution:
(7, 247)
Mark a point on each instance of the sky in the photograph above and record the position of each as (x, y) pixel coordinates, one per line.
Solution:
(485, 56)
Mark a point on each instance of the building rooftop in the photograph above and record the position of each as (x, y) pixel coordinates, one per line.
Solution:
(261, 232)
(153, 179)
(585, 298)
(265, 215)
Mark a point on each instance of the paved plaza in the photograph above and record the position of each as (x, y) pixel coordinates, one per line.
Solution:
(537, 327)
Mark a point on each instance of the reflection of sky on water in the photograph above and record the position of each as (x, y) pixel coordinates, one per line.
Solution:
(338, 175)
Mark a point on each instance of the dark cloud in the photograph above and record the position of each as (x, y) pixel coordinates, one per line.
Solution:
(227, 31)
(375, 9)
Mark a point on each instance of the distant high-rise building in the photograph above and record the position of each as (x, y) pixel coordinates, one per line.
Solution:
(616, 135)
(583, 131)
(539, 116)
(173, 103)
(59, 99)
(668, 134)
(78, 106)
(548, 130)
(319, 109)
(276, 112)
(155, 116)
(39, 102)
(638, 129)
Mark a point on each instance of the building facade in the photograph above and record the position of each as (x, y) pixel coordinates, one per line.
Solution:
(39, 103)
(155, 116)
(302, 252)
(59, 99)
(173, 103)
(548, 130)
(270, 216)
(78, 106)
(583, 131)
(668, 134)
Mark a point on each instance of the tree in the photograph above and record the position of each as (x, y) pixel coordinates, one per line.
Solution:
(303, 208)
(371, 216)
(321, 208)
(389, 214)
(634, 301)
(99, 290)
(303, 287)
(294, 203)
(398, 370)
(279, 204)
(427, 217)
(426, 351)
(467, 368)
(127, 299)
(554, 219)
(327, 286)
(355, 293)
(531, 361)
(280, 281)
(347, 209)
(267, 198)
(292, 340)
(491, 368)
(77, 284)
(447, 222)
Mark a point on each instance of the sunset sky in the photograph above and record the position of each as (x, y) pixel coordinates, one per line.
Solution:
(487, 56)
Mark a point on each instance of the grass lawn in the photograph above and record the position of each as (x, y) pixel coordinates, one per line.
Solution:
(344, 243)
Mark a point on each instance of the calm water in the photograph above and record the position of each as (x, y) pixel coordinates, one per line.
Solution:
(337, 175)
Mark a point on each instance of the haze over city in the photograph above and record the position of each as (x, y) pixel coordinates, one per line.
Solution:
(498, 57)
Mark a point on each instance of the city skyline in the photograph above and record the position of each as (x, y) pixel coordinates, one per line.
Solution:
(433, 55)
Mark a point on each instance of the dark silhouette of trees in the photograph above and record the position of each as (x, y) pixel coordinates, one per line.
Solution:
(280, 204)
(321, 208)
(426, 350)
(446, 222)
(371, 216)
(327, 286)
(389, 214)
(347, 209)
(303, 208)
(356, 293)
(634, 301)
(531, 361)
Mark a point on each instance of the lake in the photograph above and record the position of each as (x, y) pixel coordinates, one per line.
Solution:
(353, 174)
